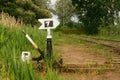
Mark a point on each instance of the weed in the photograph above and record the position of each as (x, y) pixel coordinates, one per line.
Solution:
(12, 43)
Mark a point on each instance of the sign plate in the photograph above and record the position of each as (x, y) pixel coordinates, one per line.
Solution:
(48, 23)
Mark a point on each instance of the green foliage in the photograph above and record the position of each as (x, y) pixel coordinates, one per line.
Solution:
(93, 13)
(51, 75)
(12, 43)
(112, 32)
(41, 3)
(14, 69)
(71, 29)
(26, 10)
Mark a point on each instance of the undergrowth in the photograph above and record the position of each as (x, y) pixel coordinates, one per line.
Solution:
(12, 43)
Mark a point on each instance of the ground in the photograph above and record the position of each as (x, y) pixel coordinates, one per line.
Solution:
(77, 54)
(91, 76)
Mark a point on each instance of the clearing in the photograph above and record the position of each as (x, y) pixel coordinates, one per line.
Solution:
(79, 54)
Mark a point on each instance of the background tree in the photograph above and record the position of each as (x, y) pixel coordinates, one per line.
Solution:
(65, 10)
(93, 13)
(42, 3)
(27, 10)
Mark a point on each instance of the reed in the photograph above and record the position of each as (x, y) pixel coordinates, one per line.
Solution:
(9, 21)
(12, 43)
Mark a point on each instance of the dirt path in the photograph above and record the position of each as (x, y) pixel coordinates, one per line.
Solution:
(91, 76)
(78, 55)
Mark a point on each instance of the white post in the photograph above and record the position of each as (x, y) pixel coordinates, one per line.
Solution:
(48, 33)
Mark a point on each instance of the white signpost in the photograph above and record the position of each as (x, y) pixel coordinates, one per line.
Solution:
(48, 24)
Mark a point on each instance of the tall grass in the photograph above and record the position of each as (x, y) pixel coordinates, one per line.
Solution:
(12, 43)
(10, 21)
(111, 32)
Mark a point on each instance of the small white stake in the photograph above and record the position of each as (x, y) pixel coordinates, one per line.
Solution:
(25, 56)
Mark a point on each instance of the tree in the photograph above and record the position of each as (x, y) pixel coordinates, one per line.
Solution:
(42, 3)
(65, 10)
(93, 13)
(26, 10)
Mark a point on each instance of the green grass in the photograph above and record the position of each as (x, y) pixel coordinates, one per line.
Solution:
(12, 43)
(110, 32)
(74, 39)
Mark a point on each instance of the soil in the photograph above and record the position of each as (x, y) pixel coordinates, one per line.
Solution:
(91, 76)
(78, 55)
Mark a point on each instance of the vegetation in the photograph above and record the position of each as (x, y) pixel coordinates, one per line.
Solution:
(111, 32)
(95, 17)
(93, 13)
(12, 43)
(26, 10)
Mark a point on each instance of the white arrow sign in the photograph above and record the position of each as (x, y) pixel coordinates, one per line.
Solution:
(48, 23)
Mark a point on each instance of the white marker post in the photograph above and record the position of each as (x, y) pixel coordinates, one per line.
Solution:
(49, 24)
(25, 56)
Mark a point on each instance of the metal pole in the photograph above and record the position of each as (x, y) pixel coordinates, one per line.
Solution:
(49, 44)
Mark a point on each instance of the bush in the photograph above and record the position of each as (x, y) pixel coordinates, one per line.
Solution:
(111, 31)
(75, 29)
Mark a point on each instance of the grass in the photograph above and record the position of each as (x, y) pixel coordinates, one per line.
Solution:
(110, 32)
(10, 21)
(12, 43)
(11, 53)
(74, 39)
